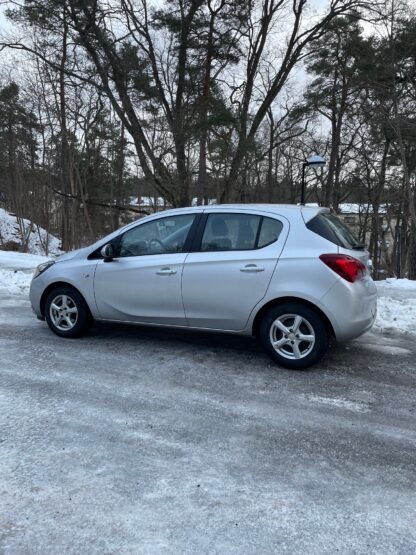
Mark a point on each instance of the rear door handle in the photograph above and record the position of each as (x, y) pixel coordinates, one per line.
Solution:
(252, 268)
(166, 272)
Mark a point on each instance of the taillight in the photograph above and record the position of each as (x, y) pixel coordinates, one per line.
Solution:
(345, 266)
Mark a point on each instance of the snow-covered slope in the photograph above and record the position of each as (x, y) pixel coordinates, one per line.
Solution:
(15, 229)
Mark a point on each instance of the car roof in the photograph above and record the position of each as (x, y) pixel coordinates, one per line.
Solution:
(308, 212)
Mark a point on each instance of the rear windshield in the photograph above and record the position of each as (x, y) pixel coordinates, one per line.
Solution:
(331, 228)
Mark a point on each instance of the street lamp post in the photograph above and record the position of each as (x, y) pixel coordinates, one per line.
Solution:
(314, 162)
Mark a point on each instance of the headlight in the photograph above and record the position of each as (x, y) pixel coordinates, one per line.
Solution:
(42, 267)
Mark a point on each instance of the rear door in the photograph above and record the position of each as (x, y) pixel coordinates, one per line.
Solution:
(231, 268)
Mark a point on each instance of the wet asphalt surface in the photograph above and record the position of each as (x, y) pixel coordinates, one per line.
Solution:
(152, 441)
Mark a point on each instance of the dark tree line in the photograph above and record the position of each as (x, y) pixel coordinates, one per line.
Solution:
(209, 100)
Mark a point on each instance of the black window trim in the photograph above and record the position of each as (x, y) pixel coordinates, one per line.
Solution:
(198, 232)
(189, 239)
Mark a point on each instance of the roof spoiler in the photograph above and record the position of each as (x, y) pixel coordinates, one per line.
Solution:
(309, 214)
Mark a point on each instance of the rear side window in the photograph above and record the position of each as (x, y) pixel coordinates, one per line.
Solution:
(269, 232)
(232, 232)
(333, 229)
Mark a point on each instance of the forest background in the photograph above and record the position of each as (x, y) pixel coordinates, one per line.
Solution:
(105, 104)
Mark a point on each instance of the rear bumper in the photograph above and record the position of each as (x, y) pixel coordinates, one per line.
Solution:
(351, 307)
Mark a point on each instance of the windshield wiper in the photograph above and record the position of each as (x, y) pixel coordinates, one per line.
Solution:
(358, 247)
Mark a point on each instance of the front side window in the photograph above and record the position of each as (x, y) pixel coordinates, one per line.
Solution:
(233, 232)
(162, 236)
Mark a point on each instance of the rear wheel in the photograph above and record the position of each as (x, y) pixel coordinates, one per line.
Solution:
(66, 312)
(294, 335)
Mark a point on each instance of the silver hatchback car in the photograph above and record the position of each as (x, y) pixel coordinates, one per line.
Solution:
(291, 275)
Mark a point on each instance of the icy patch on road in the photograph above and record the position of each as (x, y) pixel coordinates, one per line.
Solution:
(386, 349)
(339, 403)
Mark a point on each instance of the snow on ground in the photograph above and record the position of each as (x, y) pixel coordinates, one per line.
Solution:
(16, 271)
(407, 285)
(15, 229)
(20, 261)
(396, 307)
(14, 283)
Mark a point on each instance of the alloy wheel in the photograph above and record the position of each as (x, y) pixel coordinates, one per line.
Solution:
(292, 336)
(63, 312)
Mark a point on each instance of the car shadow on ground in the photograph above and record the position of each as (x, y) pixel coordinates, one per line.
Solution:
(372, 350)
(224, 344)
(211, 340)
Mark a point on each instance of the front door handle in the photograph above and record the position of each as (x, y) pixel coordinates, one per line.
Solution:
(166, 272)
(252, 268)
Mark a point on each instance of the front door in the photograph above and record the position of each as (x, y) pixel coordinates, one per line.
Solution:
(143, 282)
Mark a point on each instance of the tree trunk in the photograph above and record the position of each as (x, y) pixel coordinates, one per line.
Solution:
(206, 89)
(411, 253)
(270, 159)
(67, 239)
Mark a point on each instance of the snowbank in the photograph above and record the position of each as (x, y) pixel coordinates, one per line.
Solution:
(396, 306)
(20, 261)
(398, 315)
(15, 283)
(13, 228)
(393, 283)
(16, 271)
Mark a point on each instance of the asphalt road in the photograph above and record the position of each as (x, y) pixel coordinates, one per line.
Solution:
(148, 441)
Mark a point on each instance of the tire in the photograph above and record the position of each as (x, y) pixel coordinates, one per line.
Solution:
(281, 332)
(66, 312)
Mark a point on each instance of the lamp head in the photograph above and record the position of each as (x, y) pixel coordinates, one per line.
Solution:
(315, 161)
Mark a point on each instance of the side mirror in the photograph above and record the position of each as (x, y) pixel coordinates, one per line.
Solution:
(107, 252)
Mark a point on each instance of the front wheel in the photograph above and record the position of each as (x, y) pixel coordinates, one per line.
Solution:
(66, 312)
(294, 335)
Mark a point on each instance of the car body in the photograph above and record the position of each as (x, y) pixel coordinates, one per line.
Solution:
(222, 268)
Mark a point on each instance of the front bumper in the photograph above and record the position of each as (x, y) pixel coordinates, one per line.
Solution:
(37, 287)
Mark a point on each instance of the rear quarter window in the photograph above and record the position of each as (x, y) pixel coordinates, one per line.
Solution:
(333, 229)
(269, 232)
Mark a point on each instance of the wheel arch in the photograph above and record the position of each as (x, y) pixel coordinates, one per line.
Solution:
(281, 300)
(55, 285)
